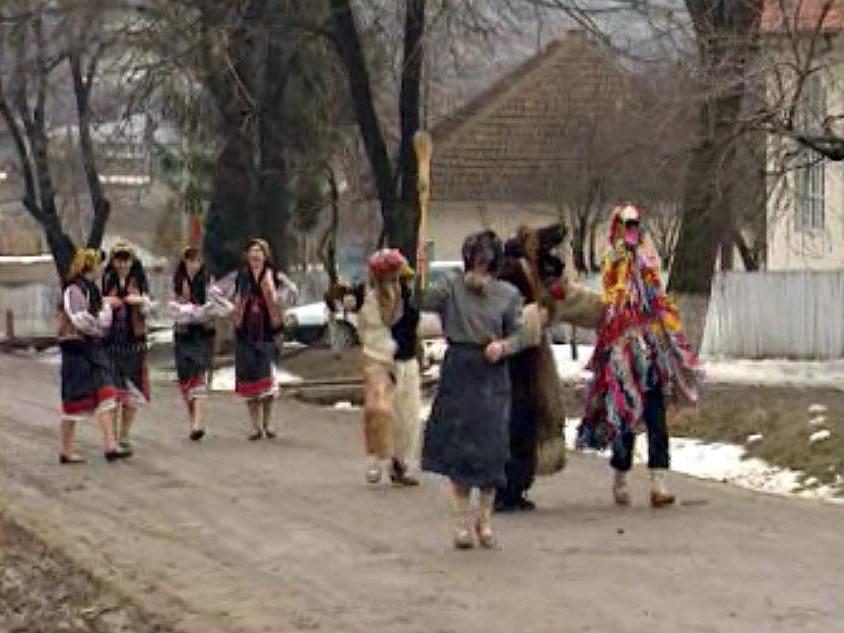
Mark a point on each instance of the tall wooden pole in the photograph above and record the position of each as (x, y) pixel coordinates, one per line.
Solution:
(423, 146)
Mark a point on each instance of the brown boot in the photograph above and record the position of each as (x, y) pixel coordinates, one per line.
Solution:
(460, 518)
(620, 490)
(660, 497)
(486, 536)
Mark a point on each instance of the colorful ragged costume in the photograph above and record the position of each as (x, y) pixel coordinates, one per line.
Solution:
(641, 358)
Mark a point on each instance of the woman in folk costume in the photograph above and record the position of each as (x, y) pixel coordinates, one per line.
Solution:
(537, 415)
(467, 436)
(87, 384)
(125, 284)
(387, 328)
(257, 320)
(198, 302)
(641, 359)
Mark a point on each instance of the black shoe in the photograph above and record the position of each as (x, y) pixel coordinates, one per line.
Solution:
(269, 433)
(119, 453)
(197, 434)
(505, 505)
(257, 435)
(525, 505)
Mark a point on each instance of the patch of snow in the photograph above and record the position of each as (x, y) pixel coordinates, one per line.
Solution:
(725, 463)
(772, 372)
(820, 436)
(26, 259)
(817, 421)
(224, 378)
(756, 437)
(570, 370)
(817, 409)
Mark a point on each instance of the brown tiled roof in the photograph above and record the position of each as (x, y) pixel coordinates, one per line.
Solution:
(787, 16)
(508, 144)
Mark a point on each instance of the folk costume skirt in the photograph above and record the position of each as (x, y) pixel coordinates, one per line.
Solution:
(87, 384)
(255, 368)
(193, 352)
(467, 436)
(130, 373)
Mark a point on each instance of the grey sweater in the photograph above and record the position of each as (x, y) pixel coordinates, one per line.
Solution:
(478, 318)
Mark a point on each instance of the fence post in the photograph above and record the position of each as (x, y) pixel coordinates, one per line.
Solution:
(10, 325)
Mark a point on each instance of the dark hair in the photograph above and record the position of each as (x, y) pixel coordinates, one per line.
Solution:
(136, 272)
(246, 283)
(484, 246)
(199, 284)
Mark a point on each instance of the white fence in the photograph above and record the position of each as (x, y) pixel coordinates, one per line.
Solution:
(794, 314)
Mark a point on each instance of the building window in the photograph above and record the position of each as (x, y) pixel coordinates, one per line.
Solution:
(809, 178)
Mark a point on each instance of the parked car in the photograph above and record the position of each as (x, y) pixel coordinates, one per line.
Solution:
(306, 324)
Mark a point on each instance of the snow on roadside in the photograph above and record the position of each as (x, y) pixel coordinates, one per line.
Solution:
(775, 372)
(725, 463)
(224, 378)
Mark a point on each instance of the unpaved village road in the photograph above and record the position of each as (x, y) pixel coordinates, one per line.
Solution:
(238, 536)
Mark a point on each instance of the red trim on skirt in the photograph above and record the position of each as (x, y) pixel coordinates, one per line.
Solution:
(89, 404)
(251, 389)
(192, 383)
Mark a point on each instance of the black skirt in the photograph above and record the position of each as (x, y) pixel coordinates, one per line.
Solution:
(467, 436)
(193, 352)
(86, 377)
(129, 370)
(254, 367)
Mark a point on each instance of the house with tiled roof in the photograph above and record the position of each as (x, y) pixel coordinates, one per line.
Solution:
(498, 159)
(805, 191)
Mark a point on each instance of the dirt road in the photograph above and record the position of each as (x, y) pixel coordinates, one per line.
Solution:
(238, 536)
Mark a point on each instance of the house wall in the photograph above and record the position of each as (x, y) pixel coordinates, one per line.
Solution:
(790, 246)
(450, 222)
(793, 248)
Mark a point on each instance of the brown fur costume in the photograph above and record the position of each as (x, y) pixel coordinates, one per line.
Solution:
(536, 367)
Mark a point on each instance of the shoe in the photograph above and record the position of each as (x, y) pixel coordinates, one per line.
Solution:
(662, 499)
(197, 434)
(269, 433)
(71, 459)
(126, 445)
(525, 505)
(399, 476)
(486, 537)
(483, 526)
(463, 539)
(118, 453)
(505, 505)
(620, 491)
(257, 435)
(373, 475)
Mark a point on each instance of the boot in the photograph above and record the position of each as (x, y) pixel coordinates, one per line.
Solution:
(620, 491)
(373, 471)
(660, 497)
(484, 524)
(399, 475)
(460, 520)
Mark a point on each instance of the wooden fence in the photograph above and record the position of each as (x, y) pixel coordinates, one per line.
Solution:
(794, 314)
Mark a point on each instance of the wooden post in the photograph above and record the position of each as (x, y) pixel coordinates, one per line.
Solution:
(423, 146)
(10, 325)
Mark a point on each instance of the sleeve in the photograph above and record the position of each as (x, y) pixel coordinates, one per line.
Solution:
(219, 306)
(104, 318)
(517, 335)
(577, 305)
(435, 299)
(374, 335)
(76, 309)
(271, 299)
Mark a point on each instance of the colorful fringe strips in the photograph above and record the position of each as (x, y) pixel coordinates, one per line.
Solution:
(640, 346)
